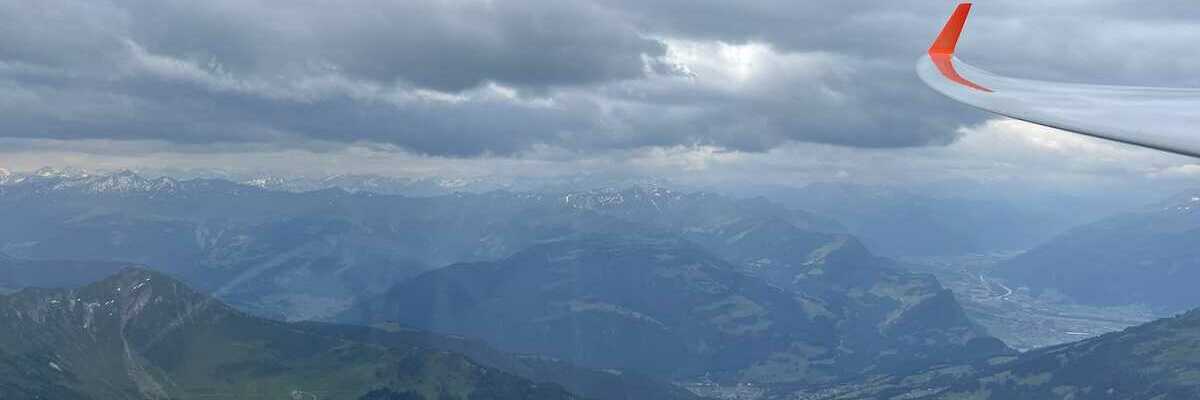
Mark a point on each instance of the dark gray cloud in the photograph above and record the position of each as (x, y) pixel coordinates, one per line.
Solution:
(475, 77)
(443, 45)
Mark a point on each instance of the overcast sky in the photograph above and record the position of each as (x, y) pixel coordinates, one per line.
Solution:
(701, 90)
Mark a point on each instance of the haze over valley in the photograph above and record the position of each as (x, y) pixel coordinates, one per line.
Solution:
(599, 200)
(676, 287)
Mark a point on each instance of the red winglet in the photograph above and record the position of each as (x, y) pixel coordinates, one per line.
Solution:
(948, 39)
(942, 50)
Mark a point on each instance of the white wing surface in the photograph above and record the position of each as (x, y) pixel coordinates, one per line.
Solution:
(1166, 119)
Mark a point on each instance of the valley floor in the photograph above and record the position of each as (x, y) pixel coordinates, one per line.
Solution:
(1017, 316)
(712, 390)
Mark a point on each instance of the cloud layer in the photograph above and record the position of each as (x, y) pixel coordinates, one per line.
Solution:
(486, 78)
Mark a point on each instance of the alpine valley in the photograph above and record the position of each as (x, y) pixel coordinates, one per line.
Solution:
(626, 292)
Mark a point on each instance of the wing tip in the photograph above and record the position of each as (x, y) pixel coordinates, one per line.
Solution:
(941, 53)
(947, 40)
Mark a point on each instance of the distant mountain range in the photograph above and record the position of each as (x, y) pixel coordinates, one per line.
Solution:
(772, 295)
(891, 221)
(350, 183)
(961, 219)
(355, 183)
(1150, 256)
(604, 293)
(377, 184)
(247, 244)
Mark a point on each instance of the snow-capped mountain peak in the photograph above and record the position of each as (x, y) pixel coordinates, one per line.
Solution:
(642, 195)
(53, 180)
(52, 172)
(126, 182)
(266, 182)
(1183, 203)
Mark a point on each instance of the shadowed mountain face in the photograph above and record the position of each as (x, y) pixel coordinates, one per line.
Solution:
(140, 334)
(657, 306)
(589, 383)
(666, 307)
(884, 318)
(890, 317)
(1158, 360)
(1147, 257)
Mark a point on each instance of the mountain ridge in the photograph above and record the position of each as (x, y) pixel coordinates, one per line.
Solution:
(244, 242)
(1155, 360)
(141, 334)
(1147, 256)
(675, 309)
